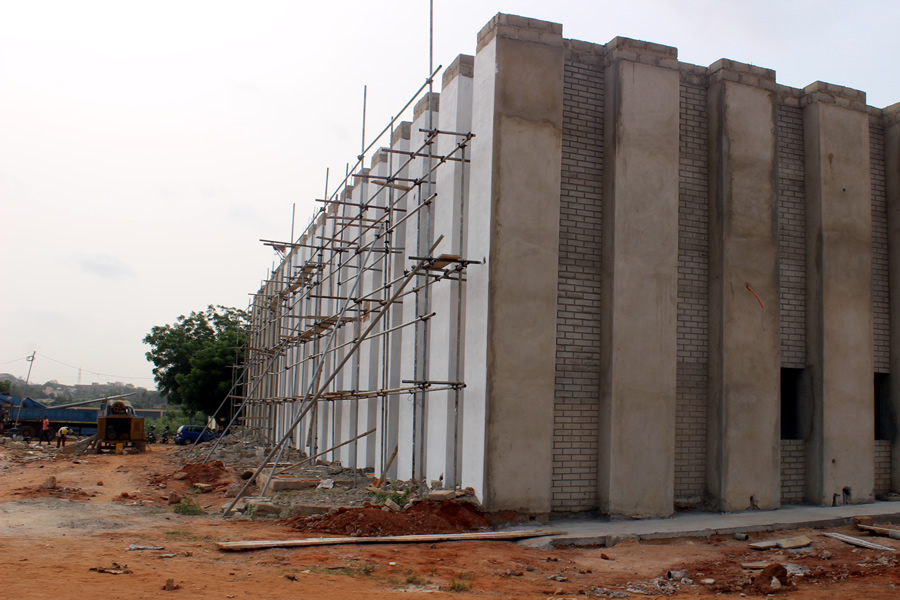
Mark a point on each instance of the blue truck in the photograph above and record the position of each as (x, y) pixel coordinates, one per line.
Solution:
(25, 416)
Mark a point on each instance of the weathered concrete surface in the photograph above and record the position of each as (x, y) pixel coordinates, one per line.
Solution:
(514, 226)
(743, 468)
(639, 292)
(892, 176)
(840, 451)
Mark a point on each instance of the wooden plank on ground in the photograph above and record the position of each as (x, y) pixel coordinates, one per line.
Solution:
(894, 534)
(858, 542)
(389, 539)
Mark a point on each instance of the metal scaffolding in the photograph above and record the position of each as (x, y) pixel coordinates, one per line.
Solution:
(336, 289)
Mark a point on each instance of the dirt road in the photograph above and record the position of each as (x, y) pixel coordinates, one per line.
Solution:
(66, 526)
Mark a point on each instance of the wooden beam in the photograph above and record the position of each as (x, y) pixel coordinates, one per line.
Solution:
(389, 539)
(894, 534)
(858, 542)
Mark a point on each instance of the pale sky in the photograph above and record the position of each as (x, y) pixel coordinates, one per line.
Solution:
(146, 147)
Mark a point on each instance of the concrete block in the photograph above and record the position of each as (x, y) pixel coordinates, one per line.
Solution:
(278, 485)
(442, 495)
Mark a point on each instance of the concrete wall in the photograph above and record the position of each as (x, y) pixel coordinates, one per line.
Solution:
(892, 186)
(840, 452)
(640, 266)
(514, 226)
(627, 210)
(744, 362)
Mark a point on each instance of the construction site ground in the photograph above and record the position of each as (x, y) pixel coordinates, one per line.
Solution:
(67, 523)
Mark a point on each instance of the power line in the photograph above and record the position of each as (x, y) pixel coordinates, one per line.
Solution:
(9, 362)
(97, 373)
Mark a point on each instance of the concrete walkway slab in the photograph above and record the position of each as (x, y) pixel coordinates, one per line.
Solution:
(607, 532)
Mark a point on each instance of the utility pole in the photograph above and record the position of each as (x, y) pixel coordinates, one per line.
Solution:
(30, 360)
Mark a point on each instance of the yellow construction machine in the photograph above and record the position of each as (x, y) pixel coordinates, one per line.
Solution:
(118, 426)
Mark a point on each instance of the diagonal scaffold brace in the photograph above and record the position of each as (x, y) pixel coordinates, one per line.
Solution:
(410, 276)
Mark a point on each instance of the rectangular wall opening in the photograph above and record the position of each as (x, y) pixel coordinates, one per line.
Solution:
(796, 404)
(885, 428)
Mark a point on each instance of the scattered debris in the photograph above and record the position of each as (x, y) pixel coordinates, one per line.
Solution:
(770, 579)
(114, 569)
(442, 495)
(135, 548)
(171, 586)
(799, 541)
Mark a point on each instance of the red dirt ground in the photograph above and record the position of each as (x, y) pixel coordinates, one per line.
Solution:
(424, 517)
(49, 544)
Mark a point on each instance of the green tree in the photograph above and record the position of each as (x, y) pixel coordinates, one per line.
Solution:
(193, 357)
(6, 387)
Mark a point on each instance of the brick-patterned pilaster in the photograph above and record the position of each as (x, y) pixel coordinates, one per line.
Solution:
(793, 471)
(791, 234)
(693, 292)
(881, 302)
(575, 430)
(882, 466)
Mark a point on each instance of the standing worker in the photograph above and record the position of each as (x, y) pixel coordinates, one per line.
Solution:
(61, 436)
(45, 431)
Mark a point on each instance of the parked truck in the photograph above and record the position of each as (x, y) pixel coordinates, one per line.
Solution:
(24, 417)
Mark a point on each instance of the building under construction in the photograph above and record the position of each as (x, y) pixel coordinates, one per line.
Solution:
(592, 277)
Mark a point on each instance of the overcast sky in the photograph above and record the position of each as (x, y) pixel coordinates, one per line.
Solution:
(146, 147)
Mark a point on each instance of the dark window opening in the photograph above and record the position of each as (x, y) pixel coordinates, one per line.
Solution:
(885, 428)
(796, 405)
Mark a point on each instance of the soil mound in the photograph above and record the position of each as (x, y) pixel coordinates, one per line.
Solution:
(213, 472)
(421, 518)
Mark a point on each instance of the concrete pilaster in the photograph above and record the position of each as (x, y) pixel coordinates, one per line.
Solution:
(349, 380)
(640, 280)
(445, 345)
(413, 407)
(892, 177)
(326, 410)
(840, 451)
(513, 224)
(387, 419)
(370, 350)
(744, 354)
